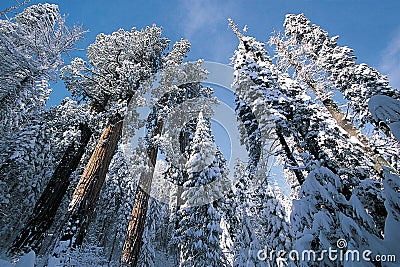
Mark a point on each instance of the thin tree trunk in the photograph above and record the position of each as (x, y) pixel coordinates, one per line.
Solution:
(339, 116)
(86, 194)
(46, 207)
(297, 172)
(184, 145)
(110, 256)
(133, 240)
(352, 131)
(254, 144)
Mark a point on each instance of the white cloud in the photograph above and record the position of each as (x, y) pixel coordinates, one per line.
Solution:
(390, 64)
(200, 16)
(205, 25)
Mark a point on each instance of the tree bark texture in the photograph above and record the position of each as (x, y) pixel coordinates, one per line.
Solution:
(50, 200)
(86, 194)
(46, 207)
(133, 239)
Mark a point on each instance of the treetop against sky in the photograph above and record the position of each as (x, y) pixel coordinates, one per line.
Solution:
(369, 27)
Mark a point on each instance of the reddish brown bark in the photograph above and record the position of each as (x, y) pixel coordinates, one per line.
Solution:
(45, 210)
(46, 207)
(86, 194)
(133, 239)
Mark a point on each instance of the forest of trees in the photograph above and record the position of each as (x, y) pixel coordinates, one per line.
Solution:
(75, 190)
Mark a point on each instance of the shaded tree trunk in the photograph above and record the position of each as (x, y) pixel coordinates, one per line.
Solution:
(297, 172)
(133, 240)
(185, 140)
(338, 115)
(251, 126)
(86, 194)
(46, 207)
(349, 127)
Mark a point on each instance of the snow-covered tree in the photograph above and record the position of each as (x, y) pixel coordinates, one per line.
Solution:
(321, 147)
(31, 45)
(384, 110)
(13, 7)
(120, 64)
(175, 87)
(247, 184)
(324, 67)
(199, 230)
(112, 212)
(151, 240)
(250, 132)
(177, 175)
(251, 73)
(62, 128)
(357, 82)
(392, 200)
(177, 97)
(270, 220)
(71, 175)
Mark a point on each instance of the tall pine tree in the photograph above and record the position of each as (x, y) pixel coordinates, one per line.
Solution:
(199, 230)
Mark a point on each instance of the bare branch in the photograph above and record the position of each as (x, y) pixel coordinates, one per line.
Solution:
(18, 5)
(235, 29)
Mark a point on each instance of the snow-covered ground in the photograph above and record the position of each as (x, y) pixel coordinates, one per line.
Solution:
(27, 260)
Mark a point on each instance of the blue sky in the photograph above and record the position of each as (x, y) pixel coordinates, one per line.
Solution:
(372, 28)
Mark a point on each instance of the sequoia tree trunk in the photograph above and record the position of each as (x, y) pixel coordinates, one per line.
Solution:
(133, 239)
(86, 194)
(46, 207)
